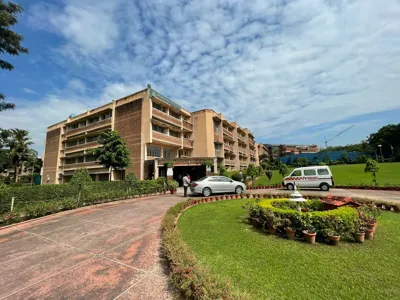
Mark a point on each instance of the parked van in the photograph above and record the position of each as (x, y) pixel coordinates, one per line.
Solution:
(310, 177)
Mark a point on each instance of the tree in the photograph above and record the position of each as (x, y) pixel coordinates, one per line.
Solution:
(372, 167)
(269, 175)
(20, 151)
(10, 41)
(388, 137)
(80, 179)
(130, 180)
(32, 163)
(113, 153)
(283, 169)
(252, 171)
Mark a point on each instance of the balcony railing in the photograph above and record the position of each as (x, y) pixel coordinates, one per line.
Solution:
(90, 164)
(167, 138)
(90, 127)
(187, 125)
(166, 117)
(218, 153)
(228, 133)
(253, 153)
(242, 139)
(229, 162)
(228, 147)
(187, 143)
(81, 147)
(218, 137)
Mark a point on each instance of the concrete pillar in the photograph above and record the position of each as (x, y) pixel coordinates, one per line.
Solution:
(155, 168)
(215, 165)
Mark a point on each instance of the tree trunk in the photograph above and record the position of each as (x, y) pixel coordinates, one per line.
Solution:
(15, 173)
(110, 173)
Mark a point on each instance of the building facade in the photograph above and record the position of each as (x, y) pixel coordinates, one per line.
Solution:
(157, 131)
(280, 150)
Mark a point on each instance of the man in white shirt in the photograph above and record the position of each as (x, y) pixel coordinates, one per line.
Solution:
(186, 183)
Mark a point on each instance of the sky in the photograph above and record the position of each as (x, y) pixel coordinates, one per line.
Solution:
(292, 71)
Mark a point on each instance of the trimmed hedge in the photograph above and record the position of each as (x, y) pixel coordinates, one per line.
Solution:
(193, 280)
(92, 193)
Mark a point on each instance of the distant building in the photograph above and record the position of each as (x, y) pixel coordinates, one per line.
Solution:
(279, 150)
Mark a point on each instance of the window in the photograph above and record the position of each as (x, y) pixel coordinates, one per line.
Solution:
(168, 153)
(159, 107)
(174, 133)
(72, 126)
(213, 179)
(310, 173)
(71, 143)
(90, 139)
(174, 114)
(187, 135)
(216, 126)
(81, 141)
(82, 124)
(79, 160)
(90, 158)
(107, 115)
(296, 173)
(323, 172)
(153, 151)
(70, 161)
(224, 179)
(94, 120)
(158, 128)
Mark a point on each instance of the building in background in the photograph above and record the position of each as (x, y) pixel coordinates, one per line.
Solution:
(158, 132)
(262, 150)
(280, 150)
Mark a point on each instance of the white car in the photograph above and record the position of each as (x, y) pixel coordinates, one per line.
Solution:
(310, 177)
(216, 184)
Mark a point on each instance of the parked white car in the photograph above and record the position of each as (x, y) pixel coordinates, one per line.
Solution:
(310, 177)
(216, 184)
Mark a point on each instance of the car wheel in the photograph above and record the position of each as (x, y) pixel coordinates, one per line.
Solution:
(290, 186)
(324, 187)
(206, 192)
(238, 190)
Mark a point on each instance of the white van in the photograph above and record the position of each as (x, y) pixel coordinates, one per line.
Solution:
(310, 177)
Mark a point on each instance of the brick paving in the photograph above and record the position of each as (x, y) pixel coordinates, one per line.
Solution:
(108, 251)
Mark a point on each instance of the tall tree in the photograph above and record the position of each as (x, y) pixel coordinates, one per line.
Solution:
(10, 41)
(20, 151)
(113, 152)
(389, 139)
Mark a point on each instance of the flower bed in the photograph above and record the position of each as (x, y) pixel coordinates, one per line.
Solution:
(314, 223)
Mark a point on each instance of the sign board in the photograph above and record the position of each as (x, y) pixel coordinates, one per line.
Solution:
(170, 172)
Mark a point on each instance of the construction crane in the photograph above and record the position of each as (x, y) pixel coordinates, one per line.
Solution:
(326, 141)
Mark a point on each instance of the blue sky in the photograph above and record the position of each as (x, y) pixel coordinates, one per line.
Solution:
(290, 71)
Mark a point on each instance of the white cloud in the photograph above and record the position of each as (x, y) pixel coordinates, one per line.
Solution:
(28, 91)
(270, 65)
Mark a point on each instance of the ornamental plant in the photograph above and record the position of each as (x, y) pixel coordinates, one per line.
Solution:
(130, 180)
(372, 167)
(80, 179)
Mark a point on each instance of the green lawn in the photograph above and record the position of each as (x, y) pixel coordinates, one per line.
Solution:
(269, 267)
(351, 174)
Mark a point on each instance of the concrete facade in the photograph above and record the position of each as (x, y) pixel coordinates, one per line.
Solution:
(155, 129)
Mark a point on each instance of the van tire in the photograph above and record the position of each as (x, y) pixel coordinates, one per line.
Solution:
(324, 187)
(290, 186)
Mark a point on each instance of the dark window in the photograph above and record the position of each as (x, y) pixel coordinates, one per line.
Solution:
(159, 107)
(175, 115)
(153, 151)
(168, 153)
(71, 143)
(90, 158)
(158, 128)
(81, 141)
(174, 133)
(94, 120)
(310, 173)
(90, 139)
(70, 161)
(79, 160)
(323, 172)
(296, 173)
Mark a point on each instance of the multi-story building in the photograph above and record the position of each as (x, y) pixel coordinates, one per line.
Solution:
(157, 131)
(262, 150)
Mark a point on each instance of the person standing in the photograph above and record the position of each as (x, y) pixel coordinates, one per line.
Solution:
(185, 182)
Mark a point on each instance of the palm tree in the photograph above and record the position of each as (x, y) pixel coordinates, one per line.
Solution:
(19, 149)
(32, 163)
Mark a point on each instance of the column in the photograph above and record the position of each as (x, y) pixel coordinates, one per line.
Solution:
(155, 168)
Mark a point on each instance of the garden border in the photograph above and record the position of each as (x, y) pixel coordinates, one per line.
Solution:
(355, 187)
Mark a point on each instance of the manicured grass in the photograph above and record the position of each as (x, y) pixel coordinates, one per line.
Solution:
(270, 267)
(351, 174)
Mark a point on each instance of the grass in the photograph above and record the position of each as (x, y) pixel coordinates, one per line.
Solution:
(269, 267)
(351, 174)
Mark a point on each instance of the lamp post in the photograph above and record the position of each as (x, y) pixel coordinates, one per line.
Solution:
(380, 149)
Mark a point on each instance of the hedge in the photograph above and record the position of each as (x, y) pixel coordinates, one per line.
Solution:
(26, 195)
(193, 280)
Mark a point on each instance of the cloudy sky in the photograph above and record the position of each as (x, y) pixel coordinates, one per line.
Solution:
(292, 71)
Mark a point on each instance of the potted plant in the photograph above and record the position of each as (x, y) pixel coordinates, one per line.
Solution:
(359, 231)
(290, 232)
(308, 229)
(272, 222)
(254, 213)
(335, 231)
(369, 234)
(172, 186)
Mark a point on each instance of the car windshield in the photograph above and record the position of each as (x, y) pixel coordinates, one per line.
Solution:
(201, 179)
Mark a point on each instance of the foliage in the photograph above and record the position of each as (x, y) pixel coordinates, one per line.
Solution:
(113, 152)
(130, 180)
(268, 267)
(237, 176)
(269, 176)
(10, 42)
(252, 171)
(283, 170)
(169, 164)
(388, 137)
(372, 167)
(361, 159)
(194, 281)
(81, 178)
(172, 184)
(208, 163)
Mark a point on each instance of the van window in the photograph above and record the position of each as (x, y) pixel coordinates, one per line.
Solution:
(296, 173)
(310, 173)
(323, 172)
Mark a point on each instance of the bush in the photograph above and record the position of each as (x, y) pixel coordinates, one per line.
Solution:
(173, 185)
(237, 176)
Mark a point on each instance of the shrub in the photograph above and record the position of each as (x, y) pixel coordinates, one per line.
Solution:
(173, 184)
(237, 176)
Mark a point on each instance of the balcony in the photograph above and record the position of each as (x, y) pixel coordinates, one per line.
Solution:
(253, 153)
(187, 143)
(242, 139)
(229, 162)
(228, 133)
(90, 127)
(90, 164)
(167, 118)
(228, 148)
(244, 163)
(218, 138)
(187, 126)
(218, 153)
(165, 138)
(81, 147)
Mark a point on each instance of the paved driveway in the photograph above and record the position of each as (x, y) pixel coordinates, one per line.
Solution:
(102, 252)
